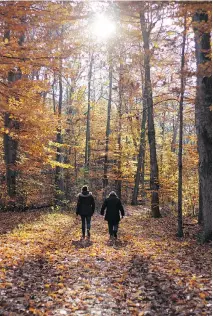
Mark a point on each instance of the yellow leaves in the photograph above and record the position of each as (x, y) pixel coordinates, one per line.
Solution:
(87, 287)
(5, 284)
(54, 164)
(53, 295)
(60, 284)
(77, 280)
(202, 295)
(58, 145)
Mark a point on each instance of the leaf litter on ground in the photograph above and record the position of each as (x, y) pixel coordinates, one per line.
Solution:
(46, 270)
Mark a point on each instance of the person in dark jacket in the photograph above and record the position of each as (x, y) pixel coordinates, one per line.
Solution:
(85, 208)
(113, 207)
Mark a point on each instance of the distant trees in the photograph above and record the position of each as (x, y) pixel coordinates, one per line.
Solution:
(68, 117)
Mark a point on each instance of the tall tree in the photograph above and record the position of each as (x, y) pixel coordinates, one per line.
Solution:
(154, 180)
(180, 152)
(106, 159)
(120, 102)
(59, 170)
(10, 143)
(87, 146)
(141, 154)
(203, 116)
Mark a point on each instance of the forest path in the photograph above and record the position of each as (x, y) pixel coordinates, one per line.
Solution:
(46, 270)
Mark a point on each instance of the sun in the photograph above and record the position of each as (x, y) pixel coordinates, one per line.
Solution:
(102, 27)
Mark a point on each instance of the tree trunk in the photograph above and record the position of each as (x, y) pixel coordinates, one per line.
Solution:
(180, 152)
(10, 156)
(118, 181)
(141, 156)
(175, 133)
(59, 170)
(10, 143)
(203, 118)
(154, 181)
(87, 146)
(163, 139)
(200, 214)
(53, 88)
(105, 177)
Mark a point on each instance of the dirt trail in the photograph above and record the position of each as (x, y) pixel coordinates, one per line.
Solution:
(46, 270)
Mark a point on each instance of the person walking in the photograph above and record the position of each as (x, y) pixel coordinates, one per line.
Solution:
(113, 207)
(85, 208)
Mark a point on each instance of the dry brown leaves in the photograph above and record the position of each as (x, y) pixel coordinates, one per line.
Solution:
(46, 270)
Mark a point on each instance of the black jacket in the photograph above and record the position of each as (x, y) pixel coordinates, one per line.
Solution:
(113, 208)
(86, 204)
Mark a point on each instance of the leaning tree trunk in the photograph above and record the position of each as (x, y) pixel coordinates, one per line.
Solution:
(203, 118)
(180, 152)
(105, 176)
(154, 180)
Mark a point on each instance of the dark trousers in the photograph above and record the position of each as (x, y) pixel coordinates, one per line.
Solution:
(86, 221)
(113, 228)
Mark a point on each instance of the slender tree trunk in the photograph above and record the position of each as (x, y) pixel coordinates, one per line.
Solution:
(75, 166)
(180, 152)
(154, 181)
(118, 181)
(142, 175)
(10, 156)
(141, 156)
(59, 170)
(163, 139)
(105, 176)
(203, 118)
(175, 133)
(87, 146)
(54, 103)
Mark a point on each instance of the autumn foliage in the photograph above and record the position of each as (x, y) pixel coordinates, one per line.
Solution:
(46, 270)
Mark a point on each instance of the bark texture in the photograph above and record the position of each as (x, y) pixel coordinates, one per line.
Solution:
(180, 152)
(10, 143)
(154, 180)
(203, 117)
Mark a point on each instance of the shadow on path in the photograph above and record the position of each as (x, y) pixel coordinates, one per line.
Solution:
(82, 243)
(12, 220)
(160, 293)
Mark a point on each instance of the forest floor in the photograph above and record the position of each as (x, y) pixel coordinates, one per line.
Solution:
(46, 270)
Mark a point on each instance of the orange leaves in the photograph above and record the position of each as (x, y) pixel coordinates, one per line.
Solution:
(146, 270)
